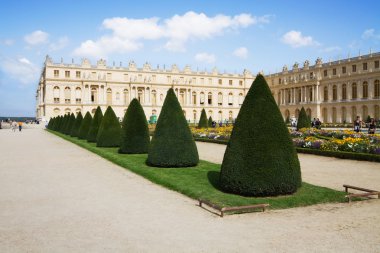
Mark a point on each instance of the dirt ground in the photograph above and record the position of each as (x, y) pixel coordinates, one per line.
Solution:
(57, 197)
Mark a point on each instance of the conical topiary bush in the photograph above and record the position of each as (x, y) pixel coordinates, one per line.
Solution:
(260, 159)
(134, 133)
(94, 127)
(57, 123)
(75, 129)
(210, 121)
(303, 120)
(64, 123)
(109, 130)
(85, 126)
(70, 124)
(203, 123)
(172, 144)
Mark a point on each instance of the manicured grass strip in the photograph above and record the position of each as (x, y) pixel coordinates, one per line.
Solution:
(202, 181)
(336, 154)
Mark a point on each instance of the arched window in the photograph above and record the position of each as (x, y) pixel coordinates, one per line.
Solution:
(57, 111)
(324, 115)
(93, 111)
(67, 95)
(241, 98)
(78, 95)
(344, 91)
(195, 116)
(56, 94)
(344, 115)
(333, 115)
(140, 96)
(310, 94)
(220, 116)
(376, 92)
(230, 116)
(354, 91)
(202, 98)
(377, 112)
(109, 96)
(335, 93)
(297, 113)
(365, 90)
(194, 98)
(308, 112)
(299, 95)
(117, 96)
(154, 112)
(353, 113)
(67, 111)
(364, 112)
(287, 114)
(230, 99)
(209, 98)
(154, 97)
(220, 98)
(94, 95)
(77, 111)
(210, 114)
(126, 97)
(182, 97)
(325, 93)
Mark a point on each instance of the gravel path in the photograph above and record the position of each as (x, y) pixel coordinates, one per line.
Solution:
(57, 197)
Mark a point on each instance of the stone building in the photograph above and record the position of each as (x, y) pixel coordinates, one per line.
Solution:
(335, 92)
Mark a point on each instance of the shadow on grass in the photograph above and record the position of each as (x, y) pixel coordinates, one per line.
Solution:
(213, 178)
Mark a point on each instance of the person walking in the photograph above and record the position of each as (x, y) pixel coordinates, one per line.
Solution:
(372, 126)
(357, 124)
(19, 126)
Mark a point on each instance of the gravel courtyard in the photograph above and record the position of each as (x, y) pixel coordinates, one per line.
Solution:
(58, 197)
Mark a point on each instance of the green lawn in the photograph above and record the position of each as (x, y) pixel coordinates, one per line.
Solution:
(202, 181)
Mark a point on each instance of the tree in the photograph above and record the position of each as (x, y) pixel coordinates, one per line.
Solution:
(64, 123)
(303, 120)
(172, 144)
(135, 133)
(203, 123)
(109, 130)
(85, 126)
(51, 122)
(75, 129)
(94, 127)
(57, 123)
(260, 159)
(209, 122)
(69, 124)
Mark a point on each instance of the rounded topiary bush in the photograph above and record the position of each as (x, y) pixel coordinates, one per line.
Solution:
(85, 126)
(172, 144)
(210, 121)
(303, 120)
(260, 159)
(203, 122)
(75, 129)
(134, 133)
(94, 127)
(109, 130)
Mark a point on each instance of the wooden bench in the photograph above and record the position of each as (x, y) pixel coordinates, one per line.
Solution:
(353, 195)
(223, 210)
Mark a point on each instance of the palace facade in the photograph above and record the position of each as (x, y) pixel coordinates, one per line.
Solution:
(334, 91)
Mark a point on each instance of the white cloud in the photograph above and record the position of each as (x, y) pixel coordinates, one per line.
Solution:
(20, 69)
(205, 57)
(241, 52)
(330, 49)
(60, 44)
(36, 38)
(296, 39)
(370, 34)
(7, 42)
(177, 30)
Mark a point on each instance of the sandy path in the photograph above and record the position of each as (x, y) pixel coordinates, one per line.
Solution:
(57, 197)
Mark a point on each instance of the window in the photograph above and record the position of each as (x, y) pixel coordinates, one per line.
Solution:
(209, 98)
(94, 95)
(109, 76)
(109, 96)
(56, 94)
(202, 98)
(240, 82)
(325, 93)
(140, 96)
(182, 97)
(154, 97)
(56, 73)
(230, 116)
(376, 64)
(325, 72)
(126, 77)
(78, 95)
(93, 75)
(311, 75)
(335, 97)
(354, 91)
(67, 74)
(334, 72)
(220, 81)
(365, 66)
(230, 99)
(377, 89)
(194, 98)
(365, 90)
(353, 68)
(241, 98)
(230, 82)
(77, 74)
(344, 70)
(154, 78)
(169, 79)
(67, 95)
(117, 96)
(220, 98)
(344, 91)
(126, 97)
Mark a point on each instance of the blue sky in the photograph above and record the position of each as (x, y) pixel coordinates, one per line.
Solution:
(229, 35)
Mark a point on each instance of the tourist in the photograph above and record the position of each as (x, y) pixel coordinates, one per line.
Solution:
(372, 126)
(357, 124)
(20, 126)
(13, 125)
(313, 123)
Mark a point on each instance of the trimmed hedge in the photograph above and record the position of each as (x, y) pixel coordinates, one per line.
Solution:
(260, 159)
(203, 123)
(210, 121)
(85, 126)
(63, 123)
(303, 120)
(70, 124)
(172, 144)
(57, 123)
(76, 126)
(94, 127)
(135, 133)
(109, 130)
